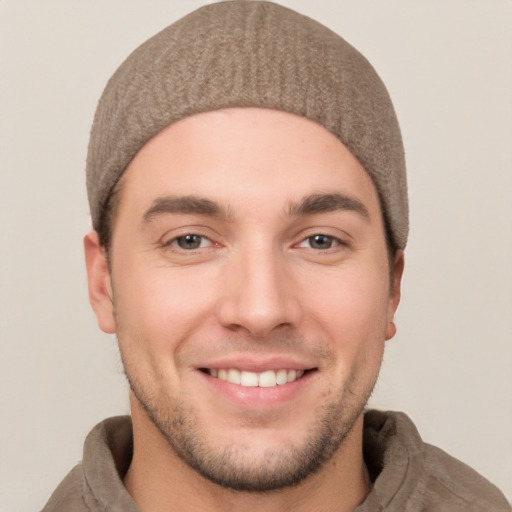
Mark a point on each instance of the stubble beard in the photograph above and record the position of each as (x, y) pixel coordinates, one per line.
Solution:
(232, 466)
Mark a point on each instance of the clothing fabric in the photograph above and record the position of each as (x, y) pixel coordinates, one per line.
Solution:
(408, 474)
(249, 54)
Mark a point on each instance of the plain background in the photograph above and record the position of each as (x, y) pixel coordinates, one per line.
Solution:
(448, 67)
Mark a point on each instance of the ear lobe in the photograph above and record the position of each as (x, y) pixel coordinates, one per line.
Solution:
(395, 292)
(99, 282)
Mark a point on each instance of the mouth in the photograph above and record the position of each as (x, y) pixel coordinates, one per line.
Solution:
(265, 379)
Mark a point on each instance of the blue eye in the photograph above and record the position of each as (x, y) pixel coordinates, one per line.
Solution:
(190, 242)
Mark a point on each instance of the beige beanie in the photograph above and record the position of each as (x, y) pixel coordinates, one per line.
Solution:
(243, 53)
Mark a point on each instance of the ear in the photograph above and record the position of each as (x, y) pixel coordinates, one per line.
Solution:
(394, 293)
(100, 286)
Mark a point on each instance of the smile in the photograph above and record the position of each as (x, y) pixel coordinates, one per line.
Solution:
(266, 379)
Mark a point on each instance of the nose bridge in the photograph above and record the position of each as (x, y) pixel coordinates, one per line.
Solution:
(258, 295)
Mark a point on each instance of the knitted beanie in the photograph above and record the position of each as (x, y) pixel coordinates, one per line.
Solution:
(244, 53)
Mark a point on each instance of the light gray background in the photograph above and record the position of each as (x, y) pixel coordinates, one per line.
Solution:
(447, 64)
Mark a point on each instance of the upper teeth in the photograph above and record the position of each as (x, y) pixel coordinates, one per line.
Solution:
(264, 379)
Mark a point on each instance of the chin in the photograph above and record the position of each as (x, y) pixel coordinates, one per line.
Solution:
(254, 459)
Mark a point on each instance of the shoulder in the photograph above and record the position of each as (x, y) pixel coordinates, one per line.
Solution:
(451, 481)
(68, 495)
(96, 483)
(411, 475)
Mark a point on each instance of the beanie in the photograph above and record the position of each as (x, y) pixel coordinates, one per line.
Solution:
(243, 53)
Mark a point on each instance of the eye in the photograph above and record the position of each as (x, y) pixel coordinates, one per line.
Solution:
(320, 242)
(190, 242)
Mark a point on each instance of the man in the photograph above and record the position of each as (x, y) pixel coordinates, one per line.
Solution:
(247, 187)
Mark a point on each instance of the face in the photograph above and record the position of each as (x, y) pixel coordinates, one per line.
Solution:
(250, 293)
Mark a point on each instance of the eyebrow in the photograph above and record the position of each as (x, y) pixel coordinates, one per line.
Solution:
(184, 204)
(323, 203)
(310, 205)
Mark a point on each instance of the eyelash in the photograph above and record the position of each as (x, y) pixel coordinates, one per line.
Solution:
(175, 242)
(333, 241)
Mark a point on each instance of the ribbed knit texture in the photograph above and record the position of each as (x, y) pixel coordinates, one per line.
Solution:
(249, 54)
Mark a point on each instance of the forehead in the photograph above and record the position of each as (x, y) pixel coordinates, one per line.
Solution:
(243, 158)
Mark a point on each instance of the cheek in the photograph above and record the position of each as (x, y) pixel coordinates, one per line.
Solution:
(157, 308)
(351, 312)
(353, 302)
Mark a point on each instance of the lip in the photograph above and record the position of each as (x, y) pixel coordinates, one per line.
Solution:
(258, 398)
(258, 365)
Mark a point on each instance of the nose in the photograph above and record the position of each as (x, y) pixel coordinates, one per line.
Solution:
(259, 295)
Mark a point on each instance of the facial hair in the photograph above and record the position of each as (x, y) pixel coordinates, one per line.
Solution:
(232, 466)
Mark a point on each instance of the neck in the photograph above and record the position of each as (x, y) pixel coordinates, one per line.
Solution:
(158, 480)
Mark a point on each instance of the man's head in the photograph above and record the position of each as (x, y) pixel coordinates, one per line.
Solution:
(248, 282)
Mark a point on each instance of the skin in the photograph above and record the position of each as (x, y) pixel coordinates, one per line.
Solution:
(288, 268)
